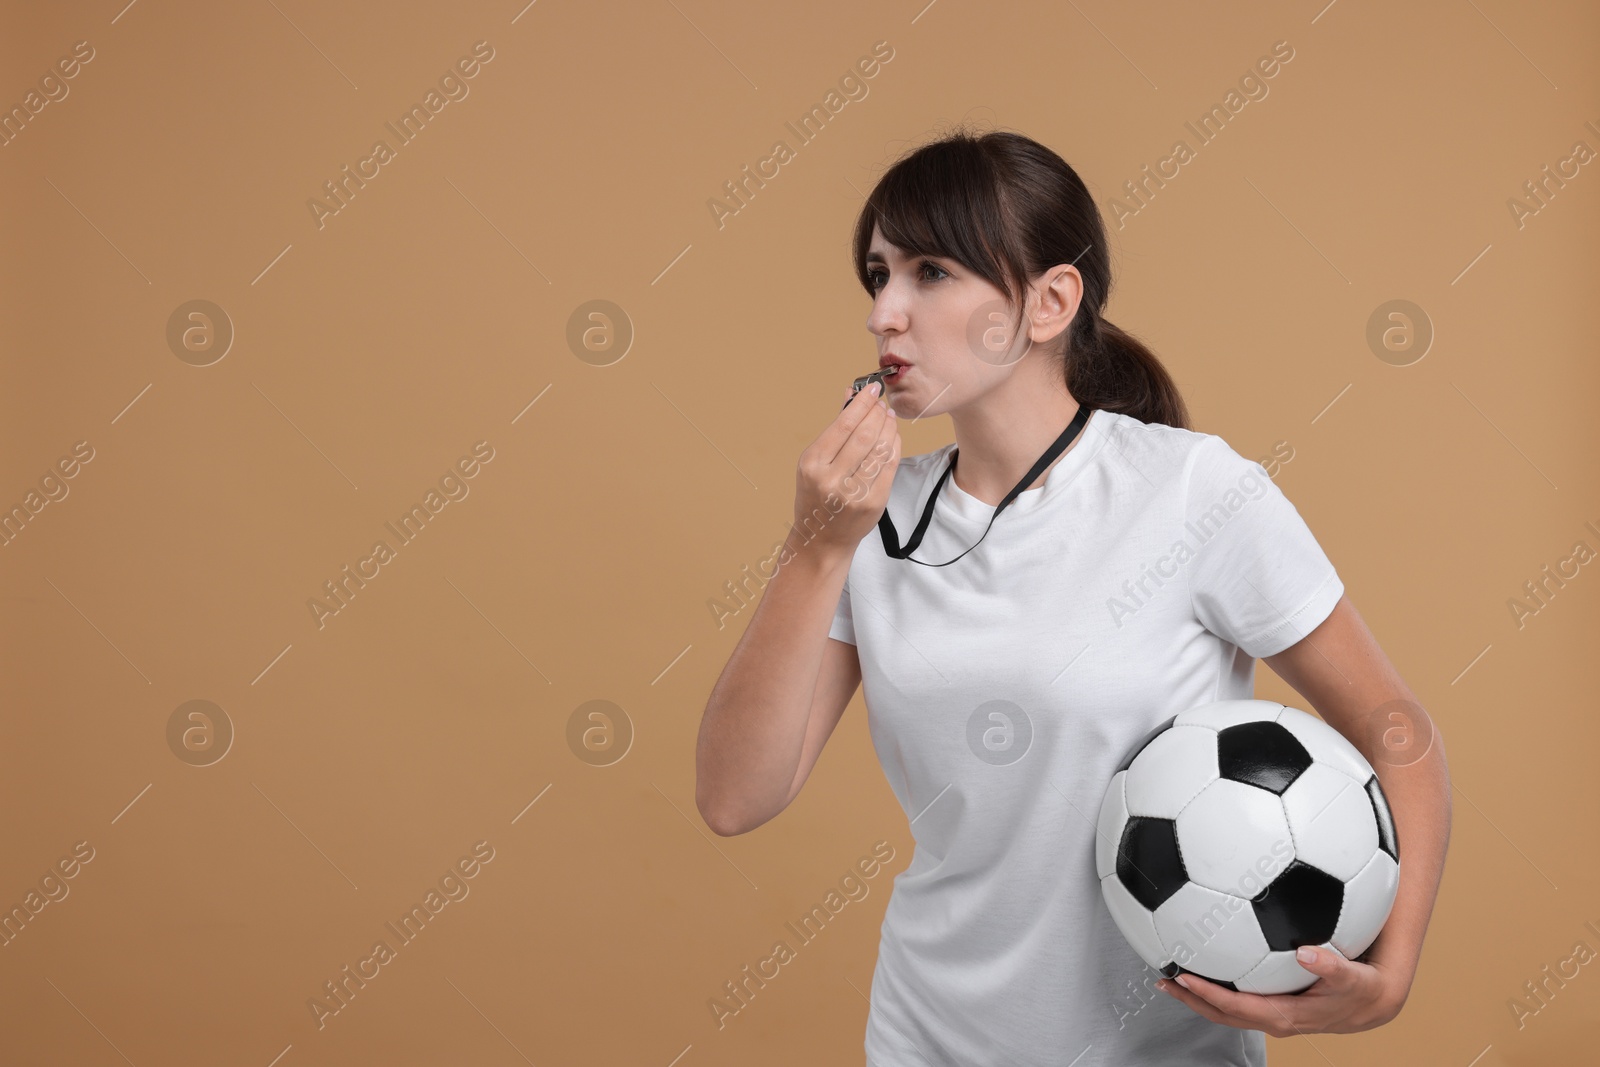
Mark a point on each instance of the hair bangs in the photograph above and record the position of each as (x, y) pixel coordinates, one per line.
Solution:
(944, 201)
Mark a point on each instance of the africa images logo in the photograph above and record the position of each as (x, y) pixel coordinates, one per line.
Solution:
(452, 84)
(452, 487)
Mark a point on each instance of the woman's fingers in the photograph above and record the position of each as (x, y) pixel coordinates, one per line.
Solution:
(851, 435)
(878, 463)
(866, 438)
(854, 458)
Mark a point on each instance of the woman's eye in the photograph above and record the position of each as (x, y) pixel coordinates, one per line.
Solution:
(876, 279)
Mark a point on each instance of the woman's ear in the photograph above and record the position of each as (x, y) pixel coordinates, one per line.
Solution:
(1060, 291)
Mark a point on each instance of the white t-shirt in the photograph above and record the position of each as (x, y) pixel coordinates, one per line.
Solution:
(1002, 691)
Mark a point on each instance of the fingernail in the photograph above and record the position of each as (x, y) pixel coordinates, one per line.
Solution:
(875, 387)
(1181, 982)
(1306, 954)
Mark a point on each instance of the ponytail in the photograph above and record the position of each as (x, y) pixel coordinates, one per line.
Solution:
(1108, 368)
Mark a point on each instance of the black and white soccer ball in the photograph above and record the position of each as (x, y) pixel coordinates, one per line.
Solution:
(1238, 831)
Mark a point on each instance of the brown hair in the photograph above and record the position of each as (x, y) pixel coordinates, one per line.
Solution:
(1007, 208)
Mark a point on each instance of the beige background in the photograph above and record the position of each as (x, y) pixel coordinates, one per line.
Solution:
(433, 711)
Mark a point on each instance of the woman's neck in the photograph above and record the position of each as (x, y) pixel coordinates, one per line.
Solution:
(1002, 436)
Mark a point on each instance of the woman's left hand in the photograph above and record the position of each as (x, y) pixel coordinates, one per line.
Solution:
(1347, 997)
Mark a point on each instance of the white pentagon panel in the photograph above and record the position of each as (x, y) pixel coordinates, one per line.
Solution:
(1174, 767)
(1234, 838)
(1134, 920)
(1221, 714)
(1368, 897)
(1213, 934)
(1108, 831)
(1332, 821)
(1326, 744)
(1278, 973)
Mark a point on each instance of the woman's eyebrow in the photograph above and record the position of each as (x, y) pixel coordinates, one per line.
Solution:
(877, 257)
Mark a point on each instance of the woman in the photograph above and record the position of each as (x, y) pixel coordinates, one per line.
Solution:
(1039, 619)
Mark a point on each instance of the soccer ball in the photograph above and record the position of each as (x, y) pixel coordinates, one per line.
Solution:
(1236, 832)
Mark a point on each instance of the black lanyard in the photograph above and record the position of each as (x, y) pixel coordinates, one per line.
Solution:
(891, 539)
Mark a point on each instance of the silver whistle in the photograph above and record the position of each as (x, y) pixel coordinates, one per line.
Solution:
(861, 383)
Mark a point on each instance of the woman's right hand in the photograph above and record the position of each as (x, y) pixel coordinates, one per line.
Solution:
(843, 477)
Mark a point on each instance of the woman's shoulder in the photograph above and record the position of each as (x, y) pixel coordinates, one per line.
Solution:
(1201, 464)
(1155, 434)
(1149, 447)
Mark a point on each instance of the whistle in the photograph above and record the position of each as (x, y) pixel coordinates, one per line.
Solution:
(861, 383)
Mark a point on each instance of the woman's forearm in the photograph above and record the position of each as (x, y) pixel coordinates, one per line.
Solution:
(1420, 801)
(1352, 684)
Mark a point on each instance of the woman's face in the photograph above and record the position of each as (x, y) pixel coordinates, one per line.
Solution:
(951, 325)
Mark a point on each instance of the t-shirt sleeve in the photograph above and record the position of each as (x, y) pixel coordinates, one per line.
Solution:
(844, 625)
(1258, 578)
